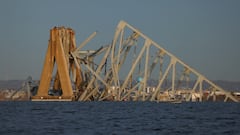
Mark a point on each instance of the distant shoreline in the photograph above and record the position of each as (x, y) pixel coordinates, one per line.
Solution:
(227, 85)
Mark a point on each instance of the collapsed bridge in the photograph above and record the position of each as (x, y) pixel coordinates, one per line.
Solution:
(132, 68)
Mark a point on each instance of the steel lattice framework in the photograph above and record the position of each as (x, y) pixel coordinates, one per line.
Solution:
(132, 68)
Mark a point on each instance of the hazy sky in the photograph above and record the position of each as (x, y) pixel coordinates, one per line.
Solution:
(205, 34)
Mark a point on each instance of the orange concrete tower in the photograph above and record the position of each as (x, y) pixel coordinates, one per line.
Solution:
(61, 44)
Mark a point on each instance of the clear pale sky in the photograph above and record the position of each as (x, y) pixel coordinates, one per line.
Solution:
(205, 34)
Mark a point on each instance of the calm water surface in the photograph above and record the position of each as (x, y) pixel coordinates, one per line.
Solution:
(120, 118)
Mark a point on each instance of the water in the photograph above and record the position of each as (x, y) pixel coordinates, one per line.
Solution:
(120, 118)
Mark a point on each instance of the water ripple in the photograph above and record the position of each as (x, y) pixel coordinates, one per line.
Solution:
(73, 118)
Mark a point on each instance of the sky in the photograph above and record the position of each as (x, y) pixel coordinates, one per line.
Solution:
(205, 34)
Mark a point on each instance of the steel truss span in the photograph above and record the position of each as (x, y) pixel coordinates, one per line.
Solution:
(131, 68)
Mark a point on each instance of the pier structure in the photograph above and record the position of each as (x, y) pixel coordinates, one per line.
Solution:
(131, 68)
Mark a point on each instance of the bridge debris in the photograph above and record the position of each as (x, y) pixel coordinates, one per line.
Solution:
(120, 71)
